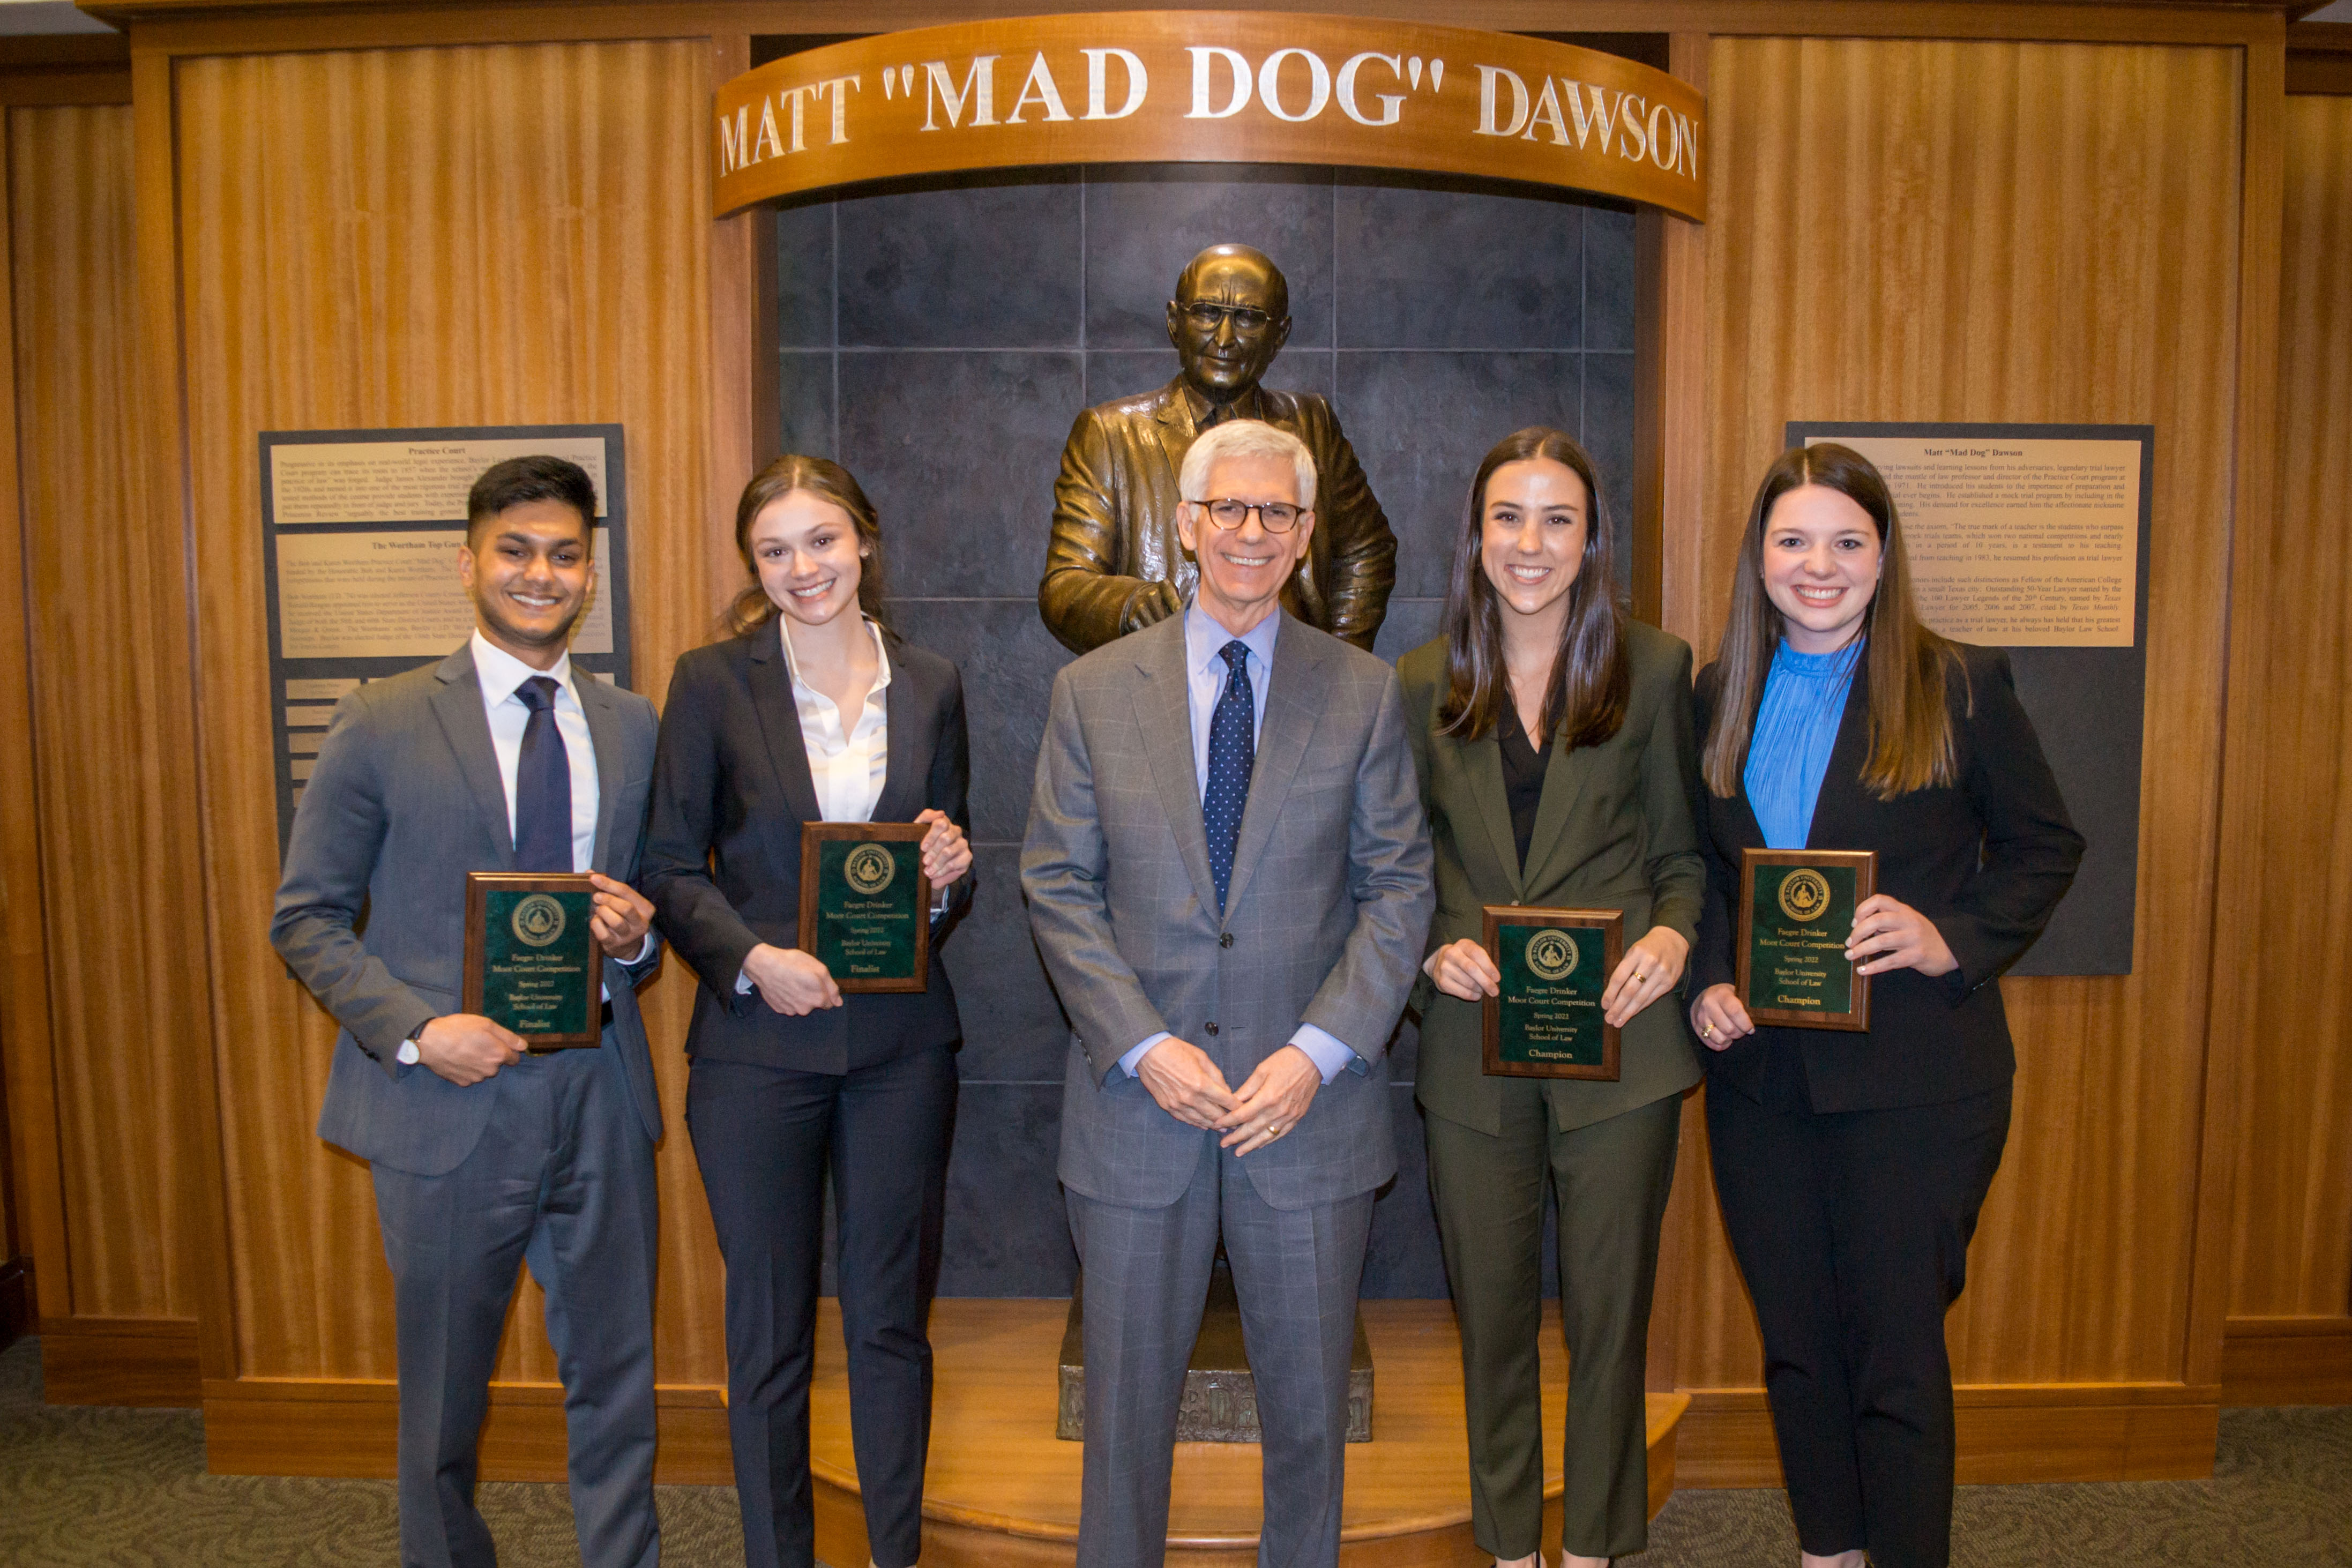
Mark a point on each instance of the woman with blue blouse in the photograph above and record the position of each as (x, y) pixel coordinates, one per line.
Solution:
(1851, 1166)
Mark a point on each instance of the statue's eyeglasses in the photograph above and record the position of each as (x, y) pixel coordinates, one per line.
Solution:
(1209, 317)
(1278, 516)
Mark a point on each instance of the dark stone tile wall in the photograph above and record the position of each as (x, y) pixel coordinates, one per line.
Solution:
(939, 342)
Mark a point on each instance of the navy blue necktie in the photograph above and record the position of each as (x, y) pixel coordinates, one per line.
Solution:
(542, 785)
(1233, 751)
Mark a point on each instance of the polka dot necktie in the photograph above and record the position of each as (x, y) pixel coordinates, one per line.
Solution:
(1233, 751)
(542, 806)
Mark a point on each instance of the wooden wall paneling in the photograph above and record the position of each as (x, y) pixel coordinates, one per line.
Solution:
(745, 418)
(203, 27)
(43, 69)
(1988, 231)
(2253, 513)
(163, 396)
(24, 991)
(1669, 461)
(468, 235)
(36, 1193)
(2319, 58)
(109, 688)
(2283, 950)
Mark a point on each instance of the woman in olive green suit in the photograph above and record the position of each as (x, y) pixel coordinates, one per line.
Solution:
(1553, 738)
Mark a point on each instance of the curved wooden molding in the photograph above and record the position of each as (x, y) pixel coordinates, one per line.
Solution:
(1210, 87)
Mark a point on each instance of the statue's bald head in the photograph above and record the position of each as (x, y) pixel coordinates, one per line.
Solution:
(1230, 317)
(1224, 267)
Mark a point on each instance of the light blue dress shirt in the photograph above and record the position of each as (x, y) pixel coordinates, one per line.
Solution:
(1796, 729)
(1205, 673)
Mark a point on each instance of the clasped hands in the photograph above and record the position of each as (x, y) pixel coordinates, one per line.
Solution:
(797, 984)
(1887, 934)
(1651, 967)
(466, 1047)
(1190, 1088)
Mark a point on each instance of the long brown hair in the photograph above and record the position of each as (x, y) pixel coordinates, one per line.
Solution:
(1904, 663)
(1590, 683)
(819, 476)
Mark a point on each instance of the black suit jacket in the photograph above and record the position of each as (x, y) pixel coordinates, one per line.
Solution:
(1986, 858)
(722, 862)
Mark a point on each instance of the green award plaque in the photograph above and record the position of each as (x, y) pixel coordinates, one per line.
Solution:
(1547, 1021)
(865, 904)
(1796, 907)
(532, 962)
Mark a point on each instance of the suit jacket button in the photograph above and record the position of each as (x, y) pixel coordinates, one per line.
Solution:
(1211, 1028)
(1225, 939)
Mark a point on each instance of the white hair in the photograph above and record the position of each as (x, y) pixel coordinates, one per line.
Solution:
(1245, 439)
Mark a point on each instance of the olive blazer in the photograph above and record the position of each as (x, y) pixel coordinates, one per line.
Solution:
(1615, 829)
(1986, 857)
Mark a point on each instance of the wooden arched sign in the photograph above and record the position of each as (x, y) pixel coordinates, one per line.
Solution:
(1215, 87)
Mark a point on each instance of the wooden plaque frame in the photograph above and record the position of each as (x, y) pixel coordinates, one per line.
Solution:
(1856, 1019)
(479, 886)
(1499, 917)
(815, 834)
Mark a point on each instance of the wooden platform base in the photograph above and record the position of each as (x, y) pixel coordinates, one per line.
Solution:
(1002, 1491)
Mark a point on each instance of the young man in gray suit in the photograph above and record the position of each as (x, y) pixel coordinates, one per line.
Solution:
(501, 758)
(1229, 879)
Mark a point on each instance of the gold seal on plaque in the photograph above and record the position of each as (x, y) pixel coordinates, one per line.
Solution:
(1805, 896)
(1551, 953)
(538, 920)
(869, 868)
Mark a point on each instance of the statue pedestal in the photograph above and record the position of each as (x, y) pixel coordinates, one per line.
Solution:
(1220, 1393)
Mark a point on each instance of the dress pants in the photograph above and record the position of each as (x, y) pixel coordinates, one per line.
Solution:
(764, 1138)
(1852, 1229)
(1612, 1179)
(1296, 1272)
(562, 1179)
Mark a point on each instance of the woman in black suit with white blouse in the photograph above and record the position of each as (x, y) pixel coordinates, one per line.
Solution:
(813, 711)
(1850, 1167)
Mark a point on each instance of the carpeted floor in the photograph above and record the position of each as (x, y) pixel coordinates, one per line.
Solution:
(128, 1487)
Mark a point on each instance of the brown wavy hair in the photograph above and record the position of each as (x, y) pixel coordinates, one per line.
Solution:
(820, 477)
(1591, 682)
(1904, 664)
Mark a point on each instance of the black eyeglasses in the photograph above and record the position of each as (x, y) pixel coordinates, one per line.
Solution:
(1278, 516)
(1208, 317)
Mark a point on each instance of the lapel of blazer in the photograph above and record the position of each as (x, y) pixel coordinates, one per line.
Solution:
(1173, 424)
(1164, 713)
(458, 706)
(902, 768)
(1566, 772)
(780, 727)
(1482, 760)
(1293, 702)
(1841, 796)
(604, 734)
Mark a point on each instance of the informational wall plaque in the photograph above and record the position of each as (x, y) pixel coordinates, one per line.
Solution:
(2021, 540)
(1211, 87)
(359, 533)
(2034, 538)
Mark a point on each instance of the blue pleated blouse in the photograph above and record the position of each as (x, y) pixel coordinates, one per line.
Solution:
(1796, 729)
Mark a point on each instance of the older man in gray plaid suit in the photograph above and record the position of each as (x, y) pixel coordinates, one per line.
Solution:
(1229, 877)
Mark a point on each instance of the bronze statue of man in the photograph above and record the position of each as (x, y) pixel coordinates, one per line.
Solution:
(1115, 563)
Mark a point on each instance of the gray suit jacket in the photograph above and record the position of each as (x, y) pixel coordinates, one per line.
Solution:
(1330, 901)
(405, 800)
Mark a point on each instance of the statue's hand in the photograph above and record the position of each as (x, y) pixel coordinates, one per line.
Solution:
(1155, 603)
